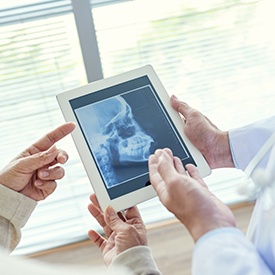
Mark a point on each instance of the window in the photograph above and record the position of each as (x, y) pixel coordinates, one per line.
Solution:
(40, 56)
(216, 55)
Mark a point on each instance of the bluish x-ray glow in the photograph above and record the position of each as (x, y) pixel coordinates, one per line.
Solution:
(115, 137)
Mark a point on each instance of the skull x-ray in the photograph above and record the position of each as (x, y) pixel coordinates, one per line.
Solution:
(116, 139)
(122, 125)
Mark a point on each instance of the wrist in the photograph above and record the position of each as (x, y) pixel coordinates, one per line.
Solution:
(8, 177)
(201, 229)
(8, 185)
(214, 215)
(5, 183)
(223, 157)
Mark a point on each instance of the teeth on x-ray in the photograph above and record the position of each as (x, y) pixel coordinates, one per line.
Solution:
(105, 164)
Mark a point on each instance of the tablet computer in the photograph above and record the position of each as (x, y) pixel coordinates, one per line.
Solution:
(121, 120)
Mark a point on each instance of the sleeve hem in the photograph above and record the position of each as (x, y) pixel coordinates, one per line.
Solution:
(138, 260)
(15, 207)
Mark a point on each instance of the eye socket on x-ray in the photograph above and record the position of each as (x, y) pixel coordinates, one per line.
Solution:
(123, 130)
(116, 139)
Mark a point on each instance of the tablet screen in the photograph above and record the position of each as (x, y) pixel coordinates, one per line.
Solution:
(122, 126)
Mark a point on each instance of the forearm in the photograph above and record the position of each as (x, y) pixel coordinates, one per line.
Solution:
(15, 210)
(226, 251)
(209, 224)
(136, 261)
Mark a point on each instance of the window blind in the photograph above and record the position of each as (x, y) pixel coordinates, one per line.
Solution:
(217, 56)
(212, 54)
(40, 56)
(32, 10)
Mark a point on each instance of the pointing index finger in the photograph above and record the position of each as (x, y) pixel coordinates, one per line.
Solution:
(51, 138)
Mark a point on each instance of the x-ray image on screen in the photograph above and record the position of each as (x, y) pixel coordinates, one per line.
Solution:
(117, 140)
(122, 126)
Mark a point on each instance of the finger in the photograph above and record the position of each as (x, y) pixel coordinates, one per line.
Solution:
(154, 162)
(55, 173)
(155, 178)
(122, 215)
(94, 200)
(179, 166)
(97, 239)
(154, 175)
(165, 165)
(38, 160)
(132, 213)
(168, 175)
(169, 152)
(180, 107)
(97, 214)
(51, 138)
(112, 219)
(48, 187)
(194, 173)
(62, 157)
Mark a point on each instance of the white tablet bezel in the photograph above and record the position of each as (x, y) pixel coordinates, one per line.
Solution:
(145, 193)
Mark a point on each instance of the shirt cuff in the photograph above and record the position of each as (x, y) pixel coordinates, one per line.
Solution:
(137, 260)
(15, 207)
(220, 231)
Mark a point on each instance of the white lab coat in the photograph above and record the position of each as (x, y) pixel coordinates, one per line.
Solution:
(228, 251)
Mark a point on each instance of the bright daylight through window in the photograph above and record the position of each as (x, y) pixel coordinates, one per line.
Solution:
(217, 55)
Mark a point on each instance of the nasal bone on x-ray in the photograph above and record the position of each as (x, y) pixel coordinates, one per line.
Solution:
(117, 139)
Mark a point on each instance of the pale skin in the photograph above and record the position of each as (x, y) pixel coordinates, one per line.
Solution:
(184, 193)
(121, 233)
(34, 172)
(208, 139)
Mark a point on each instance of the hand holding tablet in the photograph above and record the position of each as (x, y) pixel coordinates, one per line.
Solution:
(121, 121)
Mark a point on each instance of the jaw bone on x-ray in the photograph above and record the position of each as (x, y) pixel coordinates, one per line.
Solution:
(114, 136)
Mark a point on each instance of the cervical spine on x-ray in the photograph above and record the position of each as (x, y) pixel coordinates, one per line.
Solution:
(121, 140)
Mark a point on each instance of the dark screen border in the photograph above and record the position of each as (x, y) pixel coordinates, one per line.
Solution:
(143, 180)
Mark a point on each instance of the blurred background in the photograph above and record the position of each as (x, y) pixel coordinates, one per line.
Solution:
(217, 55)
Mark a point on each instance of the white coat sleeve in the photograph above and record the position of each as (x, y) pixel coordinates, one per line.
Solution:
(226, 251)
(245, 142)
(15, 210)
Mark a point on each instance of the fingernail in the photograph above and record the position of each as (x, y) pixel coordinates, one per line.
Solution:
(38, 183)
(174, 97)
(62, 159)
(158, 153)
(110, 211)
(44, 174)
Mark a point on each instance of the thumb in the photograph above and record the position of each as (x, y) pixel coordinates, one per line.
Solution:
(112, 219)
(38, 160)
(179, 106)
